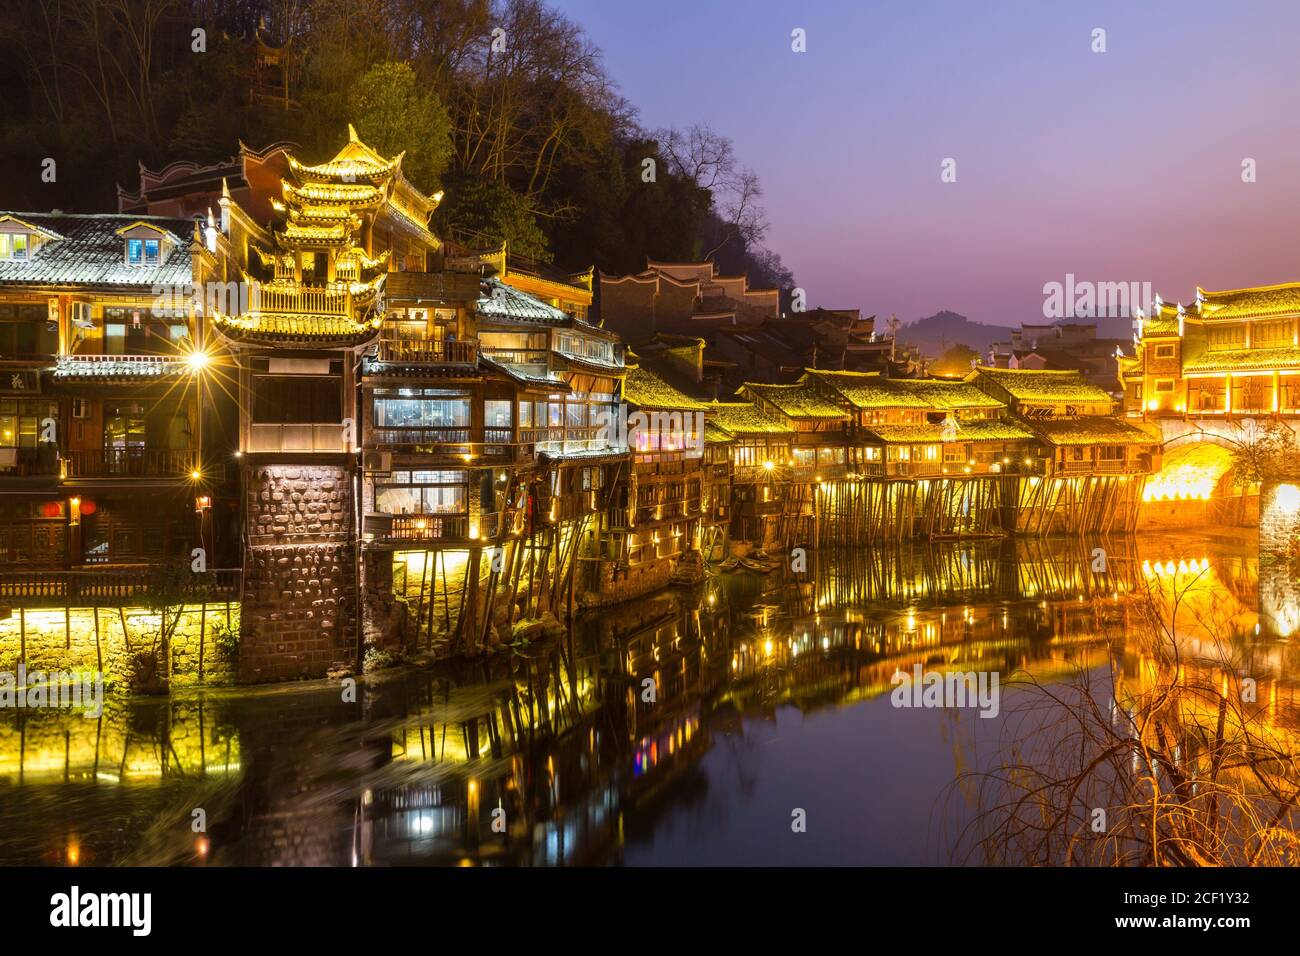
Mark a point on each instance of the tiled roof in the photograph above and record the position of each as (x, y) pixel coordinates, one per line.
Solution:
(644, 389)
(797, 401)
(500, 302)
(589, 363)
(371, 365)
(993, 430)
(1241, 360)
(106, 368)
(1262, 300)
(942, 395)
(521, 374)
(92, 253)
(349, 194)
(1095, 430)
(869, 390)
(716, 435)
(1159, 326)
(1042, 385)
(744, 418)
(283, 327)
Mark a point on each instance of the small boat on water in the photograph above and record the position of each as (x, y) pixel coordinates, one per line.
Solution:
(730, 566)
(758, 567)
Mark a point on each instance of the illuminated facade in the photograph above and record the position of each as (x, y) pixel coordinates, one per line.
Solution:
(103, 408)
(385, 444)
(1224, 355)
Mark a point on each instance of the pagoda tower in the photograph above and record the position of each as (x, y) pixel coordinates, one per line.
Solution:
(311, 298)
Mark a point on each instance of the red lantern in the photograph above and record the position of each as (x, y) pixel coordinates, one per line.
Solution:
(51, 509)
(87, 506)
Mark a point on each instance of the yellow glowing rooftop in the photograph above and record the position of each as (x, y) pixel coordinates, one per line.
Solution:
(745, 418)
(795, 401)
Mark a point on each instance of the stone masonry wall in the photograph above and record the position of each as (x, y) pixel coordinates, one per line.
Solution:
(616, 586)
(299, 607)
(59, 640)
(383, 617)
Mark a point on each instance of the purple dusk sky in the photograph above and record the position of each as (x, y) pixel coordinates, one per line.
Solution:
(1123, 166)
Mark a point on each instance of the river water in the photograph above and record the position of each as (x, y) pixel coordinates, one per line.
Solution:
(746, 721)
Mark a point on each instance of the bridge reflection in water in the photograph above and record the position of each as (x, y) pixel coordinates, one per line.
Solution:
(555, 755)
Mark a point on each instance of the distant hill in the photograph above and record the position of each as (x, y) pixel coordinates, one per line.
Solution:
(938, 332)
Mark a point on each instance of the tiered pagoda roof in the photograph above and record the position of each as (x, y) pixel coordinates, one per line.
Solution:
(323, 211)
(314, 331)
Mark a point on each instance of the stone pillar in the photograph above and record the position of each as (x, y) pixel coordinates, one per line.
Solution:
(383, 617)
(299, 597)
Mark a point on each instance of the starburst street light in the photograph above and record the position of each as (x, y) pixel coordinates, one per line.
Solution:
(197, 361)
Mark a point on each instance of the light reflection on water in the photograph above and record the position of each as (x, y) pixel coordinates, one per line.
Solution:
(771, 694)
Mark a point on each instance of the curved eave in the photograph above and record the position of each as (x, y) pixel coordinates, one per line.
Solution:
(311, 243)
(460, 371)
(332, 174)
(595, 368)
(238, 336)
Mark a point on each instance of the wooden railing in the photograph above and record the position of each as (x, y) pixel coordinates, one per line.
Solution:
(108, 584)
(429, 528)
(1086, 467)
(426, 352)
(300, 300)
(381, 437)
(518, 356)
(486, 528)
(914, 468)
(132, 461)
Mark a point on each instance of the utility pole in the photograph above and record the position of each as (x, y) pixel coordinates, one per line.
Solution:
(893, 324)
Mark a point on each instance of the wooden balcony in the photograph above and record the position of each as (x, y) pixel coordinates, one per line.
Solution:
(445, 529)
(35, 463)
(325, 437)
(133, 461)
(458, 438)
(427, 352)
(1105, 467)
(108, 585)
(428, 528)
(301, 300)
(540, 357)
